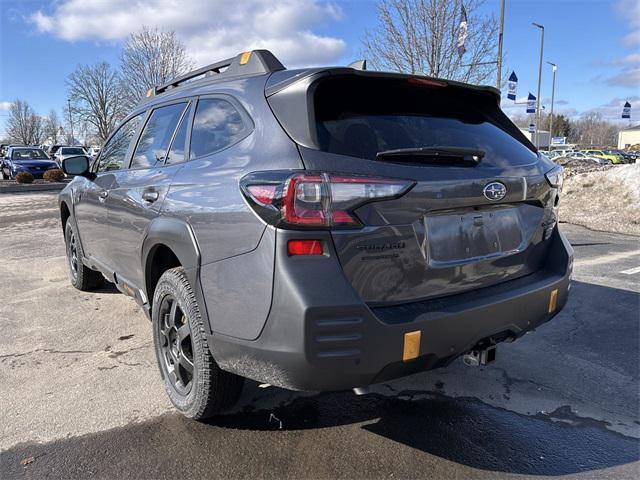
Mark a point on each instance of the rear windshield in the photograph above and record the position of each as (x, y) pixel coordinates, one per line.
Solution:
(29, 154)
(360, 117)
(72, 151)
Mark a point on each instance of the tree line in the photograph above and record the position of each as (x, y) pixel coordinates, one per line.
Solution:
(590, 128)
(100, 95)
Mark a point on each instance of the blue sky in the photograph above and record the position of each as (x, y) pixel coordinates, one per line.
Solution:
(596, 44)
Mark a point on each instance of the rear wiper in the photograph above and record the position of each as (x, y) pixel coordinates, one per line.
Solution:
(441, 155)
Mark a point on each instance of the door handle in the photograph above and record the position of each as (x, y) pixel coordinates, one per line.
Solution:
(150, 196)
(102, 196)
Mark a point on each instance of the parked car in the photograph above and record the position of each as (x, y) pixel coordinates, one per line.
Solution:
(26, 159)
(65, 152)
(584, 156)
(602, 154)
(93, 151)
(318, 229)
(52, 149)
(626, 157)
(554, 154)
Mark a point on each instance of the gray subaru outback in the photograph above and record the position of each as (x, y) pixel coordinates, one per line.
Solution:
(317, 229)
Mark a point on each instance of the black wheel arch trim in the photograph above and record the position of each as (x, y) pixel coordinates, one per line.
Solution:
(178, 236)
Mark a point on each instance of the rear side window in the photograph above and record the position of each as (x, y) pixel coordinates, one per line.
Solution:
(115, 150)
(360, 117)
(154, 140)
(216, 125)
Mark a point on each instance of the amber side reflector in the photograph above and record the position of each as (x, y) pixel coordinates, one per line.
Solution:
(553, 301)
(244, 58)
(411, 345)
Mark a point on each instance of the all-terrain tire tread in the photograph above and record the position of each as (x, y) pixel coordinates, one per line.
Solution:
(86, 279)
(217, 390)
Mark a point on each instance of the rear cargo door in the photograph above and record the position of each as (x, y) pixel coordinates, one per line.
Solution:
(475, 216)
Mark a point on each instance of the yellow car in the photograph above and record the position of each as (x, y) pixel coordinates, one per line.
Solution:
(602, 154)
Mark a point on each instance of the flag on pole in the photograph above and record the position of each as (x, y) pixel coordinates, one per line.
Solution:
(531, 103)
(512, 85)
(462, 32)
(626, 110)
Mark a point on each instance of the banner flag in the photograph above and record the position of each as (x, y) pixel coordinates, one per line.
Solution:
(462, 32)
(531, 103)
(512, 85)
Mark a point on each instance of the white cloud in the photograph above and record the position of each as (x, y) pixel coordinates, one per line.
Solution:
(5, 106)
(612, 110)
(627, 78)
(630, 11)
(210, 29)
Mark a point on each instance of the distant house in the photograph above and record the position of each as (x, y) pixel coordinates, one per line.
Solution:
(629, 136)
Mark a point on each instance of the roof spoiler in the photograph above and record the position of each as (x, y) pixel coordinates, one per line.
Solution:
(255, 62)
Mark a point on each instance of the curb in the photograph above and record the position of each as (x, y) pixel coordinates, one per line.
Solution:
(38, 187)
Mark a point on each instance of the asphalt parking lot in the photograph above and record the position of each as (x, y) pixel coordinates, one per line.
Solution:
(81, 395)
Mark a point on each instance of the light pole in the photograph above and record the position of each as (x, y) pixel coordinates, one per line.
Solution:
(500, 38)
(70, 119)
(554, 67)
(539, 80)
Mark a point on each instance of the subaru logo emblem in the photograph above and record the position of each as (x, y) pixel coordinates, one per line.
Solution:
(495, 191)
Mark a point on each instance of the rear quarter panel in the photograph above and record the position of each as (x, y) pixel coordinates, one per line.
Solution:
(237, 256)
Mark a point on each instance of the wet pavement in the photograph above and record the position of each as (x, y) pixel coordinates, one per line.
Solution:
(82, 398)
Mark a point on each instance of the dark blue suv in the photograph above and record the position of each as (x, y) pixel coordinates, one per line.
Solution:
(318, 229)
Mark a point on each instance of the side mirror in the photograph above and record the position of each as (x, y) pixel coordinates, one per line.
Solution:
(78, 165)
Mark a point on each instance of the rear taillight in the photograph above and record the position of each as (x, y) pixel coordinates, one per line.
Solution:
(316, 199)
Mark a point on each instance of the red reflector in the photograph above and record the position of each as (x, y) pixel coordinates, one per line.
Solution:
(304, 247)
(263, 193)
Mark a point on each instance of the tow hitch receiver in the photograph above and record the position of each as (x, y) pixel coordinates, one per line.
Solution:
(480, 357)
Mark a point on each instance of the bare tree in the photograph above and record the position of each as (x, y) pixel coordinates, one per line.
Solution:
(52, 127)
(150, 57)
(593, 129)
(420, 37)
(24, 125)
(96, 98)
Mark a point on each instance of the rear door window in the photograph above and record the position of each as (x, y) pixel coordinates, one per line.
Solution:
(360, 117)
(217, 124)
(154, 141)
(115, 150)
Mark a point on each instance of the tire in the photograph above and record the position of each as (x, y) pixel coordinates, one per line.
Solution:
(181, 345)
(81, 276)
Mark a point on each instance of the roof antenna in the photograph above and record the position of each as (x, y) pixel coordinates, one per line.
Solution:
(358, 65)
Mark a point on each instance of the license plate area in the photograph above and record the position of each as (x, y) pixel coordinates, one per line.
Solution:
(473, 235)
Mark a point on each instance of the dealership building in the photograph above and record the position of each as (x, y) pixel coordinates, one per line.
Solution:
(629, 136)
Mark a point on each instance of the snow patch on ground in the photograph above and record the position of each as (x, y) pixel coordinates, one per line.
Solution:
(607, 200)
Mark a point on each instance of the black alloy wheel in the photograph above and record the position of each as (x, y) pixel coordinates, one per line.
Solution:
(176, 345)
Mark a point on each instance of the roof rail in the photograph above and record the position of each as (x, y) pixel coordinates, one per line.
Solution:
(255, 62)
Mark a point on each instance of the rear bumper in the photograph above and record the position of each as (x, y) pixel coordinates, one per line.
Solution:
(320, 336)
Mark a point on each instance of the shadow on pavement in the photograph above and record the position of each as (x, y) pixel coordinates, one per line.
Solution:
(342, 435)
